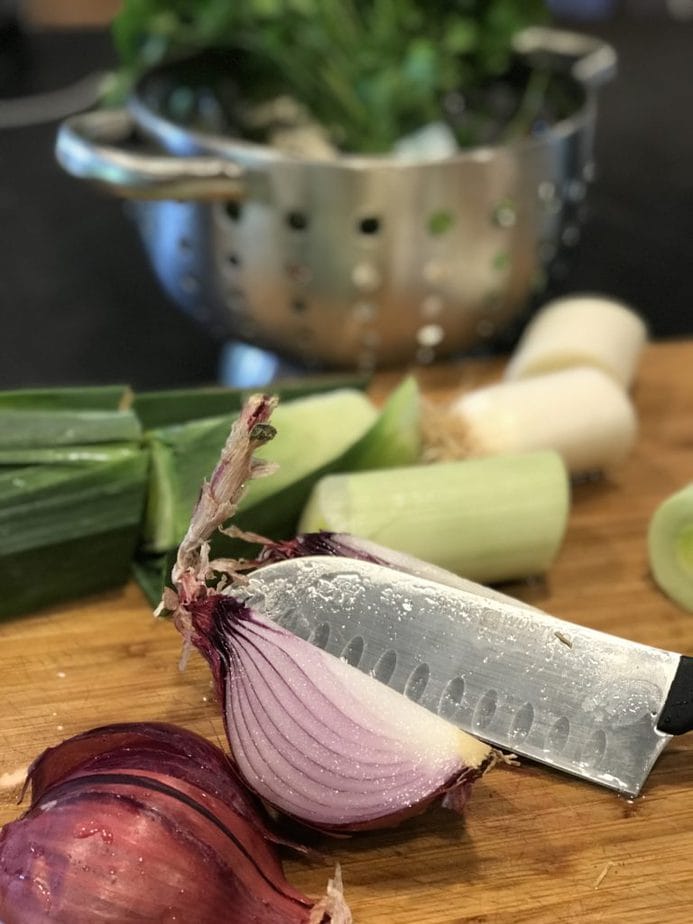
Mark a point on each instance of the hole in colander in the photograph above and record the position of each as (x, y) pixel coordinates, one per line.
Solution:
(369, 225)
(575, 191)
(430, 335)
(234, 259)
(431, 306)
(366, 277)
(234, 210)
(546, 191)
(184, 244)
(505, 214)
(440, 221)
(298, 306)
(297, 220)
(501, 261)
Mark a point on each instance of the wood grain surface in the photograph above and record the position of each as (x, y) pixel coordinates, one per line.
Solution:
(535, 845)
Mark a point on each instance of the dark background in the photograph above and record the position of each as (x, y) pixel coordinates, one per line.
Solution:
(78, 302)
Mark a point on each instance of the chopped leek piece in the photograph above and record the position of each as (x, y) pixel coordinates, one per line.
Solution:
(72, 489)
(30, 429)
(151, 573)
(312, 433)
(65, 455)
(581, 330)
(395, 438)
(488, 520)
(157, 409)
(334, 431)
(68, 530)
(579, 411)
(670, 547)
(95, 398)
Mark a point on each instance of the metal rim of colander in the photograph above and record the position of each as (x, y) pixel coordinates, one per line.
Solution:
(172, 135)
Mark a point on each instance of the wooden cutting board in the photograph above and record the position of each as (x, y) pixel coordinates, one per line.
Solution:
(535, 846)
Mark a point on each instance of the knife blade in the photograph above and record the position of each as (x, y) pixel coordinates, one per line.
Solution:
(593, 705)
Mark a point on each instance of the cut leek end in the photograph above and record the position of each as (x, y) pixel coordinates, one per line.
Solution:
(670, 547)
(396, 436)
(67, 530)
(40, 577)
(324, 432)
(489, 520)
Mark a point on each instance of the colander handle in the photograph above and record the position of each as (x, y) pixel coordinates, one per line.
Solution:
(587, 58)
(89, 146)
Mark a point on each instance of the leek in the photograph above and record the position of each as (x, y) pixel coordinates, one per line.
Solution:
(488, 520)
(156, 409)
(579, 412)
(94, 398)
(72, 488)
(67, 530)
(315, 435)
(582, 330)
(670, 547)
(312, 433)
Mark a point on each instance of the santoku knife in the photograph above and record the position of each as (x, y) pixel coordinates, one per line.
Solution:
(585, 702)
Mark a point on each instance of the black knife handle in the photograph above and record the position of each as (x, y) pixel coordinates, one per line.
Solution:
(677, 714)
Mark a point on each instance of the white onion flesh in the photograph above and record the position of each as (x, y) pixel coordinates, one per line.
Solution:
(322, 741)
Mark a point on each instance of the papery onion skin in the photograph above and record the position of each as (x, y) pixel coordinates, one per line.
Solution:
(144, 822)
(318, 739)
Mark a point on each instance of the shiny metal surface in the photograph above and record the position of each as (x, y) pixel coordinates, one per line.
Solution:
(356, 262)
(567, 696)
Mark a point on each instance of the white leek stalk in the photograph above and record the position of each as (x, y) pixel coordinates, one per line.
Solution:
(486, 519)
(670, 547)
(580, 413)
(585, 330)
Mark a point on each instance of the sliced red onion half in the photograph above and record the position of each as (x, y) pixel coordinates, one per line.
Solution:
(318, 739)
(151, 823)
(311, 734)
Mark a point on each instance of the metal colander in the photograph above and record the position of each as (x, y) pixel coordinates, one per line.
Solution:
(357, 262)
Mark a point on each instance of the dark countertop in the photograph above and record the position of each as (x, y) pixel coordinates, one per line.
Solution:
(78, 302)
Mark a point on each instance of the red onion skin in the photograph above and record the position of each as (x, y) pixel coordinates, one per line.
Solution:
(128, 833)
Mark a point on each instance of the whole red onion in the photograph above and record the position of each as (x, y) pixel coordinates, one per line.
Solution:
(150, 823)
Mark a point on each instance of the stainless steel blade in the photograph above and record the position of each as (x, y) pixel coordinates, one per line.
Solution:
(568, 696)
